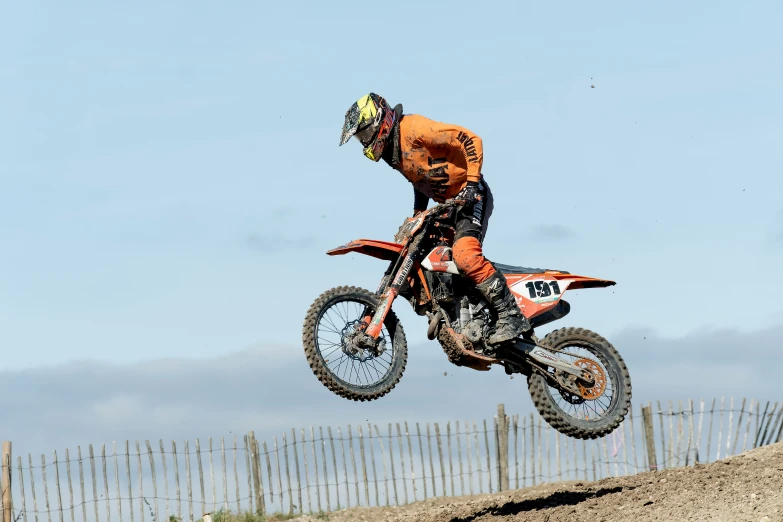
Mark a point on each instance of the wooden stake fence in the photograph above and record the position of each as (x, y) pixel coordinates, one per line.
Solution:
(5, 483)
(312, 470)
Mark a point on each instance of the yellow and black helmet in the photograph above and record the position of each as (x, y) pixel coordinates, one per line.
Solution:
(370, 119)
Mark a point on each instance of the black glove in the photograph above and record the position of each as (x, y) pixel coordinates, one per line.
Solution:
(470, 193)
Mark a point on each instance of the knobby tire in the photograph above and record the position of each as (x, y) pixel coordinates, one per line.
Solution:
(317, 363)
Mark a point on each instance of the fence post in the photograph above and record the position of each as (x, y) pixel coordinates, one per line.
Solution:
(8, 506)
(255, 470)
(260, 502)
(502, 448)
(652, 462)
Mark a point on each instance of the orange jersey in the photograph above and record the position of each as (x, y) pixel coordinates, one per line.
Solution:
(438, 158)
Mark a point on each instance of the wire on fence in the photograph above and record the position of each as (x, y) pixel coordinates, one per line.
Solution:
(369, 466)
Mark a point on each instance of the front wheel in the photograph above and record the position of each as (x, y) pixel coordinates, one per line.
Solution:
(596, 411)
(345, 367)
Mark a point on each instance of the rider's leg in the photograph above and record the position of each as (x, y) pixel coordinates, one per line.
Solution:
(469, 258)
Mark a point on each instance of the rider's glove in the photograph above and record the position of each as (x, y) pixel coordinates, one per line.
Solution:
(399, 237)
(470, 194)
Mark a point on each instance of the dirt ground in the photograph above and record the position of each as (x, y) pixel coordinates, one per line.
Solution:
(747, 487)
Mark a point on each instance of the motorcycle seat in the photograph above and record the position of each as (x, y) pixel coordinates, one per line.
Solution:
(510, 269)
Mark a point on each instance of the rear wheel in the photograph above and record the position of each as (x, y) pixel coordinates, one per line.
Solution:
(351, 371)
(596, 410)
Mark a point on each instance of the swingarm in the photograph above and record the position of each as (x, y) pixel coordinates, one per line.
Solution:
(566, 374)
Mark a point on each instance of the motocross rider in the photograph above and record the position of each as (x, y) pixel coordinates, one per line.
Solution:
(442, 161)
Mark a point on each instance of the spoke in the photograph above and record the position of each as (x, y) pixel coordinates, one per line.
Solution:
(336, 308)
(366, 373)
(342, 310)
(388, 353)
(331, 323)
(327, 355)
(343, 318)
(335, 368)
(356, 311)
(595, 411)
(328, 330)
(333, 316)
(388, 364)
(359, 372)
(327, 321)
(329, 343)
(347, 307)
(359, 368)
(380, 374)
(331, 338)
(604, 406)
(341, 360)
(346, 367)
(330, 348)
(353, 369)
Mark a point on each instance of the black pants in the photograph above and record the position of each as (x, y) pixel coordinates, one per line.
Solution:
(473, 221)
(471, 227)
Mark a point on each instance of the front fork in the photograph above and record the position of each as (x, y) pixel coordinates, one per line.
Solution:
(375, 321)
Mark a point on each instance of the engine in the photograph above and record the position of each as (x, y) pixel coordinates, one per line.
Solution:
(474, 320)
(468, 312)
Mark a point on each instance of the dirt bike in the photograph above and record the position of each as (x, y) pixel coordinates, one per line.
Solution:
(357, 348)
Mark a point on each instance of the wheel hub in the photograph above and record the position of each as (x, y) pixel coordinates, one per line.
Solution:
(359, 346)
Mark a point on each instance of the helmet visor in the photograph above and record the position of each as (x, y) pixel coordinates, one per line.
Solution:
(352, 120)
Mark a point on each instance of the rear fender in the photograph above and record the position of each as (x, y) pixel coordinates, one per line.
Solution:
(537, 294)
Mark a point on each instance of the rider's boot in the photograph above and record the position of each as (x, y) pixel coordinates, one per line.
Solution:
(511, 323)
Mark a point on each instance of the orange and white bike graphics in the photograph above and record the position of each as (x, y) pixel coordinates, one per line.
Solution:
(535, 293)
(356, 347)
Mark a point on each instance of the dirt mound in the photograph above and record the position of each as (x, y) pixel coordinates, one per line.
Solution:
(747, 487)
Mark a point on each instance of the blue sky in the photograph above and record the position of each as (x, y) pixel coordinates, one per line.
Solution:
(170, 177)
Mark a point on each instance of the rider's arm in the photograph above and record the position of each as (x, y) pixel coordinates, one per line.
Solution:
(420, 201)
(464, 141)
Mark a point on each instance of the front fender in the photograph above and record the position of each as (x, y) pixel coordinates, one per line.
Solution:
(370, 247)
